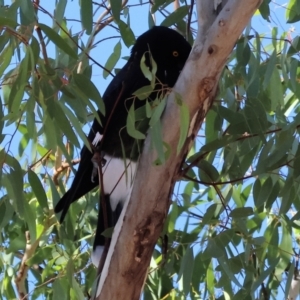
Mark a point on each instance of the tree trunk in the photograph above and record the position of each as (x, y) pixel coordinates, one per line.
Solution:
(142, 219)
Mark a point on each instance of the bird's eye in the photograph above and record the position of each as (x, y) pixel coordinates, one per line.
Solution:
(175, 53)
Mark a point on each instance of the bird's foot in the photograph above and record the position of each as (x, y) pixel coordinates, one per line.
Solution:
(97, 159)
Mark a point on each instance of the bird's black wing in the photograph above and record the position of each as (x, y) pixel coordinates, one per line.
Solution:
(127, 81)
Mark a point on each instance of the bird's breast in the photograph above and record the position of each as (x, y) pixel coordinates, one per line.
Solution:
(118, 176)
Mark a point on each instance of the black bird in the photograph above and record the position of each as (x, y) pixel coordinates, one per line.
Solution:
(120, 151)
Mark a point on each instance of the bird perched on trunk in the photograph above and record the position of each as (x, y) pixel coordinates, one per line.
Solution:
(163, 52)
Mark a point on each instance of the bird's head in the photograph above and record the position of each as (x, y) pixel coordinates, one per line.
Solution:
(169, 50)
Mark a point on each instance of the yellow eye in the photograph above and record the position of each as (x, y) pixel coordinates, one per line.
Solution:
(175, 53)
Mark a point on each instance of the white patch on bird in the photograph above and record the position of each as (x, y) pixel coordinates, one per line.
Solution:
(97, 139)
(118, 175)
(96, 255)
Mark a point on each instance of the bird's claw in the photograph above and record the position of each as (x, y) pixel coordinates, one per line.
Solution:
(96, 160)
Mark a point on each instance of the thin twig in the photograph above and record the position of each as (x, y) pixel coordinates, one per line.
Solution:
(42, 42)
(63, 167)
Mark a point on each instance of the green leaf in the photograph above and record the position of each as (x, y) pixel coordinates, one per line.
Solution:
(286, 193)
(172, 217)
(143, 93)
(1, 122)
(243, 53)
(226, 268)
(76, 291)
(291, 276)
(30, 118)
(157, 112)
(264, 9)
(241, 212)
(293, 73)
(5, 58)
(159, 3)
(89, 89)
(155, 132)
(263, 275)
(30, 217)
(6, 211)
(116, 6)
(176, 16)
(145, 69)
(85, 100)
(58, 40)
(62, 122)
(295, 47)
(38, 189)
(59, 11)
(274, 194)
(270, 68)
(151, 22)
(247, 159)
(18, 87)
(13, 182)
(130, 125)
(5, 21)
(256, 191)
(7, 287)
(293, 11)
(61, 289)
(126, 33)
(275, 90)
(113, 59)
(184, 121)
(34, 52)
(40, 255)
(264, 191)
(296, 173)
(213, 124)
(284, 141)
(24, 141)
(86, 13)
(264, 154)
(229, 115)
(186, 270)
(210, 278)
(211, 214)
(213, 250)
(207, 172)
(286, 243)
(76, 125)
(224, 238)
(153, 70)
(49, 130)
(55, 194)
(108, 232)
(27, 12)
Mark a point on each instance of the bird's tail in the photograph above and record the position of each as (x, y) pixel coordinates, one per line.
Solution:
(81, 185)
(63, 206)
(112, 218)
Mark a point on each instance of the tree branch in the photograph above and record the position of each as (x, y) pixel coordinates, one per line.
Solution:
(23, 270)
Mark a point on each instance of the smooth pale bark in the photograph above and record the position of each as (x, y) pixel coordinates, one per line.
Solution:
(294, 288)
(143, 217)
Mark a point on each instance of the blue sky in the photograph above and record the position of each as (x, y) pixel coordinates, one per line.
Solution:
(139, 24)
